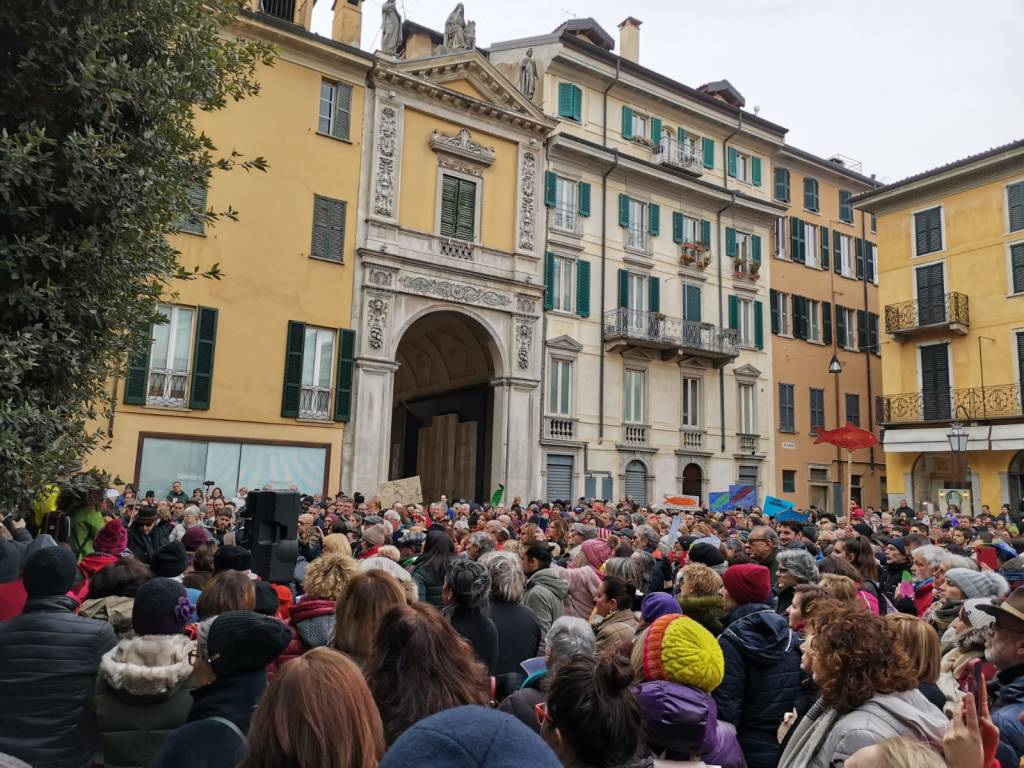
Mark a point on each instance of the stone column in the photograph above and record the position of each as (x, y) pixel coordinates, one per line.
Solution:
(369, 451)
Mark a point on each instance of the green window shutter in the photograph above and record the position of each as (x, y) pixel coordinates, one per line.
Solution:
(654, 219)
(797, 241)
(449, 205)
(756, 240)
(755, 171)
(680, 134)
(627, 123)
(292, 390)
(550, 188)
(845, 208)
(584, 206)
(344, 374)
(549, 280)
(862, 330)
(654, 294)
(194, 220)
(336, 231)
(202, 359)
(873, 333)
(705, 234)
(731, 162)
(342, 110)
(623, 210)
(565, 100)
(677, 227)
(837, 247)
(758, 325)
(623, 289)
(734, 313)
(811, 194)
(823, 236)
(466, 227)
(840, 324)
(858, 247)
(826, 322)
(656, 129)
(730, 242)
(708, 150)
(782, 185)
(1015, 205)
(799, 324)
(583, 288)
(321, 217)
(137, 377)
(773, 304)
(869, 262)
(577, 104)
(693, 303)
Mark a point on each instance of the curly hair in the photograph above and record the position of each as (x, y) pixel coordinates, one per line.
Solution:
(327, 576)
(847, 669)
(700, 581)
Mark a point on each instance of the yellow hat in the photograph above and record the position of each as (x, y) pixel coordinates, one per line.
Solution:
(680, 650)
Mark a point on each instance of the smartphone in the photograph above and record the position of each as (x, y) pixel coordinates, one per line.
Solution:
(978, 678)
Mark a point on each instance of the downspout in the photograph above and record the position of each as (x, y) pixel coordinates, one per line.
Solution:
(867, 323)
(604, 245)
(543, 313)
(113, 405)
(721, 288)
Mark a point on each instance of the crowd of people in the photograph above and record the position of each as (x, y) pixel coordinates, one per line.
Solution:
(134, 632)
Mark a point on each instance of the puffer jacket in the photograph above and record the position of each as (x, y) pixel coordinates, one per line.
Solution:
(311, 622)
(583, 583)
(522, 703)
(681, 723)
(706, 610)
(762, 679)
(545, 596)
(429, 585)
(48, 663)
(824, 738)
(1007, 707)
(115, 610)
(143, 692)
(615, 633)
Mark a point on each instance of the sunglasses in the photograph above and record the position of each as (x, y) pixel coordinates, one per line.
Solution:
(541, 711)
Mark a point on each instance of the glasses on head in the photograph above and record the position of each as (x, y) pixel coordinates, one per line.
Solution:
(541, 711)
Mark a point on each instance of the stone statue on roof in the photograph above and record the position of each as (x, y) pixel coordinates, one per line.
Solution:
(528, 75)
(390, 28)
(455, 30)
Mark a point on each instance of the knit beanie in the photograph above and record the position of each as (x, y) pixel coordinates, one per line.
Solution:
(244, 641)
(596, 551)
(656, 605)
(49, 571)
(706, 554)
(266, 598)
(748, 583)
(977, 619)
(169, 561)
(112, 538)
(978, 583)
(375, 535)
(194, 538)
(161, 607)
(232, 558)
(680, 650)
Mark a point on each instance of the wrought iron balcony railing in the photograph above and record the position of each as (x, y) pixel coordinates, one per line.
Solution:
(979, 403)
(909, 317)
(282, 9)
(658, 331)
(680, 154)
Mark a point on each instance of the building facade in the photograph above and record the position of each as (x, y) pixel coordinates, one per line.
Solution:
(824, 306)
(659, 212)
(951, 258)
(249, 380)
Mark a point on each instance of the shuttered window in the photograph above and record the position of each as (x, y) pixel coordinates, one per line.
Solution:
(194, 222)
(328, 229)
(817, 397)
(931, 295)
(691, 302)
(202, 359)
(928, 231)
(708, 151)
(559, 480)
(458, 208)
(782, 185)
(1020, 356)
(853, 409)
(1015, 205)
(335, 117)
(1017, 267)
(636, 483)
(570, 102)
(845, 206)
(811, 194)
(787, 412)
(935, 382)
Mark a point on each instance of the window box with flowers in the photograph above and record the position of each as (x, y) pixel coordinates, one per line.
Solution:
(747, 269)
(694, 254)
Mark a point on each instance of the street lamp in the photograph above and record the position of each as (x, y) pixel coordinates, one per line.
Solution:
(834, 366)
(957, 436)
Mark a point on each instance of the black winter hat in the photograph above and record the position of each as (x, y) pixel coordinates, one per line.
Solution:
(161, 607)
(705, 553)
(267, 603)
(49, 571)
(244, 641)
(232, 558)
(169, 561)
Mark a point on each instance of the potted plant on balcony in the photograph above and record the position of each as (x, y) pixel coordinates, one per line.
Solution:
(694, 254)
(755, 270)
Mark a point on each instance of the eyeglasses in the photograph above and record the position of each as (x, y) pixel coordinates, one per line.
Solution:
(541, 711)
(192, 656)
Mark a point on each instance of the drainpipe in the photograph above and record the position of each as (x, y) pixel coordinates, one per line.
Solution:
(867, 352)
(113, 405)
(604, 245)
(543, 313)
(721, 288)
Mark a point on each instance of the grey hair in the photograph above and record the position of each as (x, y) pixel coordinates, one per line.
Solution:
(645, 565)
(958, 561)
(469, 582)
(733, 545)
(508, 582)
(647, 533)
(769, 533)
(637, 519)
(800, 563)
(932, 554)
(203, 632)
(624, 568)
(568, 638)
(483, 541)
(392, 515)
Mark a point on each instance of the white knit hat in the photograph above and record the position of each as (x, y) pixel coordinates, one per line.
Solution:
(978, 583)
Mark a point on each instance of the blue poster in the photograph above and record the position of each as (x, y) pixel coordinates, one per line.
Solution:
(744, 495)
(718, 501)
(773, 507)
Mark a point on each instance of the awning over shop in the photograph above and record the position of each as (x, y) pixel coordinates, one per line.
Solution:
(995, 437)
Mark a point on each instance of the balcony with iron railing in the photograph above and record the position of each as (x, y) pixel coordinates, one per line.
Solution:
(910, 317)
(673, 336)
(281, 9)
(680, 154)
(315, 403)
(1002, 401)
(560, 428)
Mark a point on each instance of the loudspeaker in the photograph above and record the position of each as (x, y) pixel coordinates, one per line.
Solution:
(271, 530)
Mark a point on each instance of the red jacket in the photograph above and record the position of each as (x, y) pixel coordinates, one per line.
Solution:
(12, 599)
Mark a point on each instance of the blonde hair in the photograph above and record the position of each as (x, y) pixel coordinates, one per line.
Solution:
(921, 643)
(840, 587)
(327, 576)
(337, 544)
(390, 552)
(907, 753)
(700, 581)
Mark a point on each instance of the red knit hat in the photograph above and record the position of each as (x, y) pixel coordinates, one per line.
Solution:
(748, 583)
(112, 538)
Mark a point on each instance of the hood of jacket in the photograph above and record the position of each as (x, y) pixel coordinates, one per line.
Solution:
(909, 711)
(313, 619)
(760, 633)
(148, 665)
(546, 578)
(678, 720)
(115, 610)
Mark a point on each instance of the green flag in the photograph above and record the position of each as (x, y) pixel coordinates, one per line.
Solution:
(496, 496)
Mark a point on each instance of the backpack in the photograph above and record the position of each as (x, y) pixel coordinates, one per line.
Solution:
(57, 525)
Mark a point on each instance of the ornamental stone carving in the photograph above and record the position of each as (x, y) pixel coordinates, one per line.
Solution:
(379, 277)
(524, 338)
(462, 144)
(445, 289)
(525, 304)
(384, 192)
(377, 318)
(527, 200)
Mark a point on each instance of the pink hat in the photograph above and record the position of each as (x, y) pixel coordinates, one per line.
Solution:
(112, 538)
(596, 551)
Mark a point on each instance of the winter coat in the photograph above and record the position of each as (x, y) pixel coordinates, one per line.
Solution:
(583, 583)
(615, 633)
(1007, 707)
(890, 577)
(97, 561)
(924, 595)
(954, 666)
(85, 524)
(12, 598)
(234, 698)
(142, 694)
(706, 611)
(518, 635)
(311, 622)
(48, 662)
(681, 723)
(522, 704)
(145, 545)
(762, 679)
(115, 610)
(545, 596)
(429, 585)
(784, 599)
(480, 632)
(824, 737)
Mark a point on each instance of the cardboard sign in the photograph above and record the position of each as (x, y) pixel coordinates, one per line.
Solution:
(718, 501)
(744, 495)
(773, 506)
(405, 491)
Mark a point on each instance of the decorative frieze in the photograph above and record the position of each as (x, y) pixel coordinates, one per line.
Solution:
(462, 144)
(376, 319)
(451, 291)
(527, 199)
(524, 340)
(387, 138)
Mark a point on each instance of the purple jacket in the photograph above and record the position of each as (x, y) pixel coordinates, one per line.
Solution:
(681, 723)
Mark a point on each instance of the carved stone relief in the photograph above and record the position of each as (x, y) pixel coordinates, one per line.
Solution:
(384, 192)
(381, 278)
(445, 289)
(462, 144)
(376, 319)
(525, 304)
(524, 338)
(527, 200)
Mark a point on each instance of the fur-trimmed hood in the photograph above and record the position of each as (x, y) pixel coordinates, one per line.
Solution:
(149, 665)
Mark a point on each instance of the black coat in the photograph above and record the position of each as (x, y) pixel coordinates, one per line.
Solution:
(890, 577)
(522, 703)
(145, 545)
(762, 679)
(48, 663)
(518, 635)
(481, 633)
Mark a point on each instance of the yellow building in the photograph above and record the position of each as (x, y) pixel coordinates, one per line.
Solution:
(951, 252)
(249, 382)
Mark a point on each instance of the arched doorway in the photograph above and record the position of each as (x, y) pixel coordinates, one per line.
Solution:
(444, 405)
(693, 481)
(1015, 479)
(636, 482)
(934, 471)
